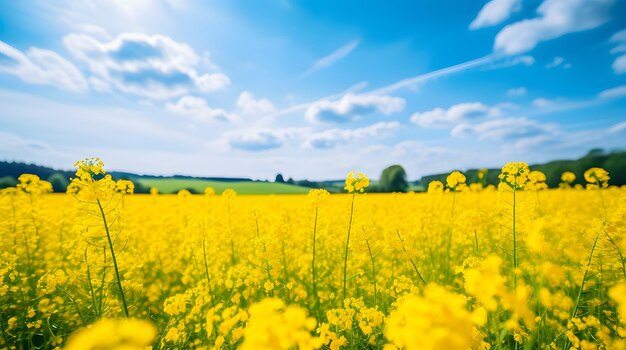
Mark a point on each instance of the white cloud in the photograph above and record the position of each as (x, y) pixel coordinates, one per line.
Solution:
(505, 128)
(619, 65)
(509, 61)
(555, 18)
(198, 108)
(351, 107)
(41, 67)
(262, 139)
(152, 66)
(557, 61)
(335, 56)
(443, 118)
(619, 36)
(620, 39)
(248, 105)
(542, 102)
(331, 137)
(519, 91)
(616, 92)
(495, 12)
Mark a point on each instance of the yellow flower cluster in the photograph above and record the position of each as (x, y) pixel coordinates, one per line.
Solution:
(456, 182)
(567, 178)
(113, 334)
(435, 187)
(514, 176)
(32, 184)
(537, 181)
(437, 320)
(356, 183)
(272, 325)
(597, 178)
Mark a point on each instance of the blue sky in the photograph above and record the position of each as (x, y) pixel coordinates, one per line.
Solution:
(310, 89)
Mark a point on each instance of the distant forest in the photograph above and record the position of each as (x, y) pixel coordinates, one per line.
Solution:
(614, 162)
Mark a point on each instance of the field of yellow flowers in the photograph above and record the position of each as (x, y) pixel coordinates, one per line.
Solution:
(460, 267)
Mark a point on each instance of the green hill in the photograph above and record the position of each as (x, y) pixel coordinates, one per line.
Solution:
(173, 185)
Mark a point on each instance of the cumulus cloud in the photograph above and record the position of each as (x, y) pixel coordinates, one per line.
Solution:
(515, 128)
(41, 67)
(495, 12)
(443, 118)
(262, 139)
(152, 66)
(199, 109)
(249, 105)
(555, 18)
(352, 106)
(616, 92)
(331, 137)
(519, 91)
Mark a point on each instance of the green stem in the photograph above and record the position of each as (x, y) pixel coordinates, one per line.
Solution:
(91, 291)
(345, 258)
(117, 272)
(514, 235)
(313, 272)
(476, 241)
(206, 270)
(80, 314)
(4, 334)
(410, 259)
(369, 249)
(621, 257)
(582, 285)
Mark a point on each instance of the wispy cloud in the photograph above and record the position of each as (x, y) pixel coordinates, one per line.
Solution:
(491, 61)
(41, 67)
(422, 78)
(333, 57)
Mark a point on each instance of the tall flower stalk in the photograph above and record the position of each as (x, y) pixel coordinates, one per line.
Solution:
(514, 178)
(354, 184)
(93, 186)
(598, 178)
(315, 198)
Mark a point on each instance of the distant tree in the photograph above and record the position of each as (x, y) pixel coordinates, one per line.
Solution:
(616, 166)
(393, 179)
(59, 182)
(279, 178)
(595, 152)
(291, 181)
(7, 181)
